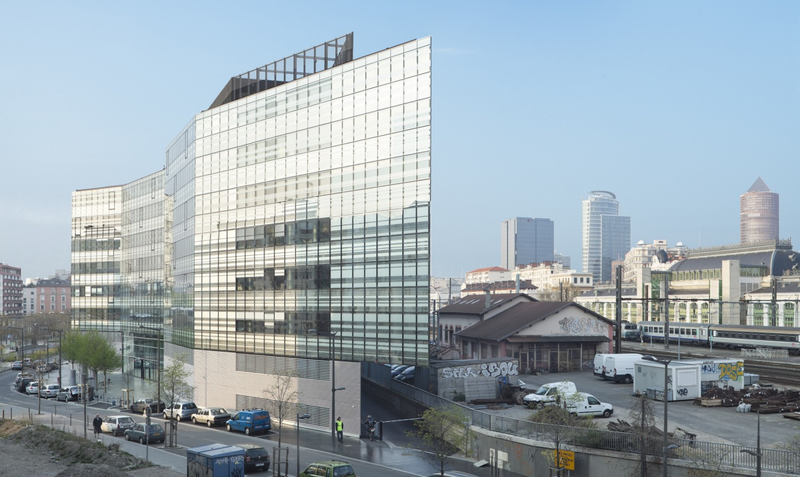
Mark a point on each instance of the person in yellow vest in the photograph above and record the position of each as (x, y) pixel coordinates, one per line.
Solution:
(339, 428)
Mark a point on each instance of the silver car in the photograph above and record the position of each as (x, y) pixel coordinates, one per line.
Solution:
(49, 391)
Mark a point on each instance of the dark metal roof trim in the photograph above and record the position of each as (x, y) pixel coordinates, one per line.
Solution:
(331, 53)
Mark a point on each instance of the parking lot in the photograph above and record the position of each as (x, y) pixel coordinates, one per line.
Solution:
(712, 424)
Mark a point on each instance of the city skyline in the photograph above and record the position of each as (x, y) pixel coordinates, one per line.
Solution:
(676, 108)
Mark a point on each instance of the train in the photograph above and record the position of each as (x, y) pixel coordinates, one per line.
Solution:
(726, 336)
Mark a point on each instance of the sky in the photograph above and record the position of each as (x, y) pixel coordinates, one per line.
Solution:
(675, 107)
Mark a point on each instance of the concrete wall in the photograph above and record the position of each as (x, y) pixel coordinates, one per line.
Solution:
(525, 457)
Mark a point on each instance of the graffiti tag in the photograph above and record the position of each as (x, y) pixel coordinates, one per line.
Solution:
(683, 392)
(486, 370)
(584, 324)
(732, 371)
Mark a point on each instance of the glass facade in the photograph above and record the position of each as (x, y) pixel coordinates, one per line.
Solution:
(306, 206)
(605, 234)
(524, 240)
(286, 213)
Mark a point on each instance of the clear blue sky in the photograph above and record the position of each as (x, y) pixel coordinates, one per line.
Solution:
(676, 107)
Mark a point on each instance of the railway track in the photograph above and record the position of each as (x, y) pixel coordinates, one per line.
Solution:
(778, 373)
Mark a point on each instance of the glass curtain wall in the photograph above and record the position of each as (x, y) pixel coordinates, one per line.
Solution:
(307, 207)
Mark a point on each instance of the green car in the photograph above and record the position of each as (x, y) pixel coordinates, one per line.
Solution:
(328, 468)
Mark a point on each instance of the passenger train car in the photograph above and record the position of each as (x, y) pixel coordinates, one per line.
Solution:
(730, 336)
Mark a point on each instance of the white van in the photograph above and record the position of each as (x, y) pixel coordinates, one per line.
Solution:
(601, 363)
(584, 404)
(548, 393)
(619, 367)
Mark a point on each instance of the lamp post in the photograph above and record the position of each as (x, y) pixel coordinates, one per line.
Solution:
(331, 335)
(159, 344)
(757, 453)
(666, 450)
(22, 347)
(666, 399)
(299, 416)
(60, 332)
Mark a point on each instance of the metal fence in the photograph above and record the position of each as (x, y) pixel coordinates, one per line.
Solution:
(703, 455)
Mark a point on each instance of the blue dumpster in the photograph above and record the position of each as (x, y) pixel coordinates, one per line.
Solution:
(215, 460)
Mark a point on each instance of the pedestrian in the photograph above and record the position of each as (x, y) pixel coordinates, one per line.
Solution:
(339, 428)
(97, 422)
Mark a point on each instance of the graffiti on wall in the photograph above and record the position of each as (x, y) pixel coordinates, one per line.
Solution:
(484, 370)
(725, 371)
(583, 324)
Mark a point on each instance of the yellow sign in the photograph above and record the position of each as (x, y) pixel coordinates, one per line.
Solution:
(566, 459)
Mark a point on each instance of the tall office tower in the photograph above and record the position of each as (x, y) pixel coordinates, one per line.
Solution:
(759, 216)
(525, 240)
(289, 231)
(606, 235)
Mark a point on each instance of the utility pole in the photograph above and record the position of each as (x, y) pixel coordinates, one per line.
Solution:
(618, 312)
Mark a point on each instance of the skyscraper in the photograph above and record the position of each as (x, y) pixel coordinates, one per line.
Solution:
(606, 234)
(759, 216)
(289, 230)
(524, 240)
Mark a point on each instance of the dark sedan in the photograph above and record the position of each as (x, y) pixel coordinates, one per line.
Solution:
(139, 406)
(137, 433)
(255, 457)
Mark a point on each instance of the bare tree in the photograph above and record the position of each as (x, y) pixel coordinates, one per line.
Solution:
(642, 417)
(443, 431)
(174, 384)
(282, 397)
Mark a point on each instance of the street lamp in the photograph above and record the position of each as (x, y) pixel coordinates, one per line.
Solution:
(666, 451)
(757, 454)
(60, 332)
(331, 335)
(299, 416)
(667, 447)
(159, 345)
(22, 348)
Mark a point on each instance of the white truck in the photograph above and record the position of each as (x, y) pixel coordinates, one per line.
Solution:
(619, 367)
(601, 363)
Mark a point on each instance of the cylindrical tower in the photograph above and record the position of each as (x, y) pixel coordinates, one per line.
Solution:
(759, 216)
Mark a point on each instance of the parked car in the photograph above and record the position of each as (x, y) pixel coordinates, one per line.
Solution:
(117, 425)
(69, 393)
(211, 416)
(180, 411)
(140, 432)
(49, 391)
(549, 393)
(22, 385)
(256, 458)
(250, 421)
(407, 375)
(21, 376)
(139, 406)
(399, 368)
(333, 468)
(584, 404)
(16, 365)
(33, 388)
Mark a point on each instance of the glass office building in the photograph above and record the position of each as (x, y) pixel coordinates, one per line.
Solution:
(606, 235)
(296, 227)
